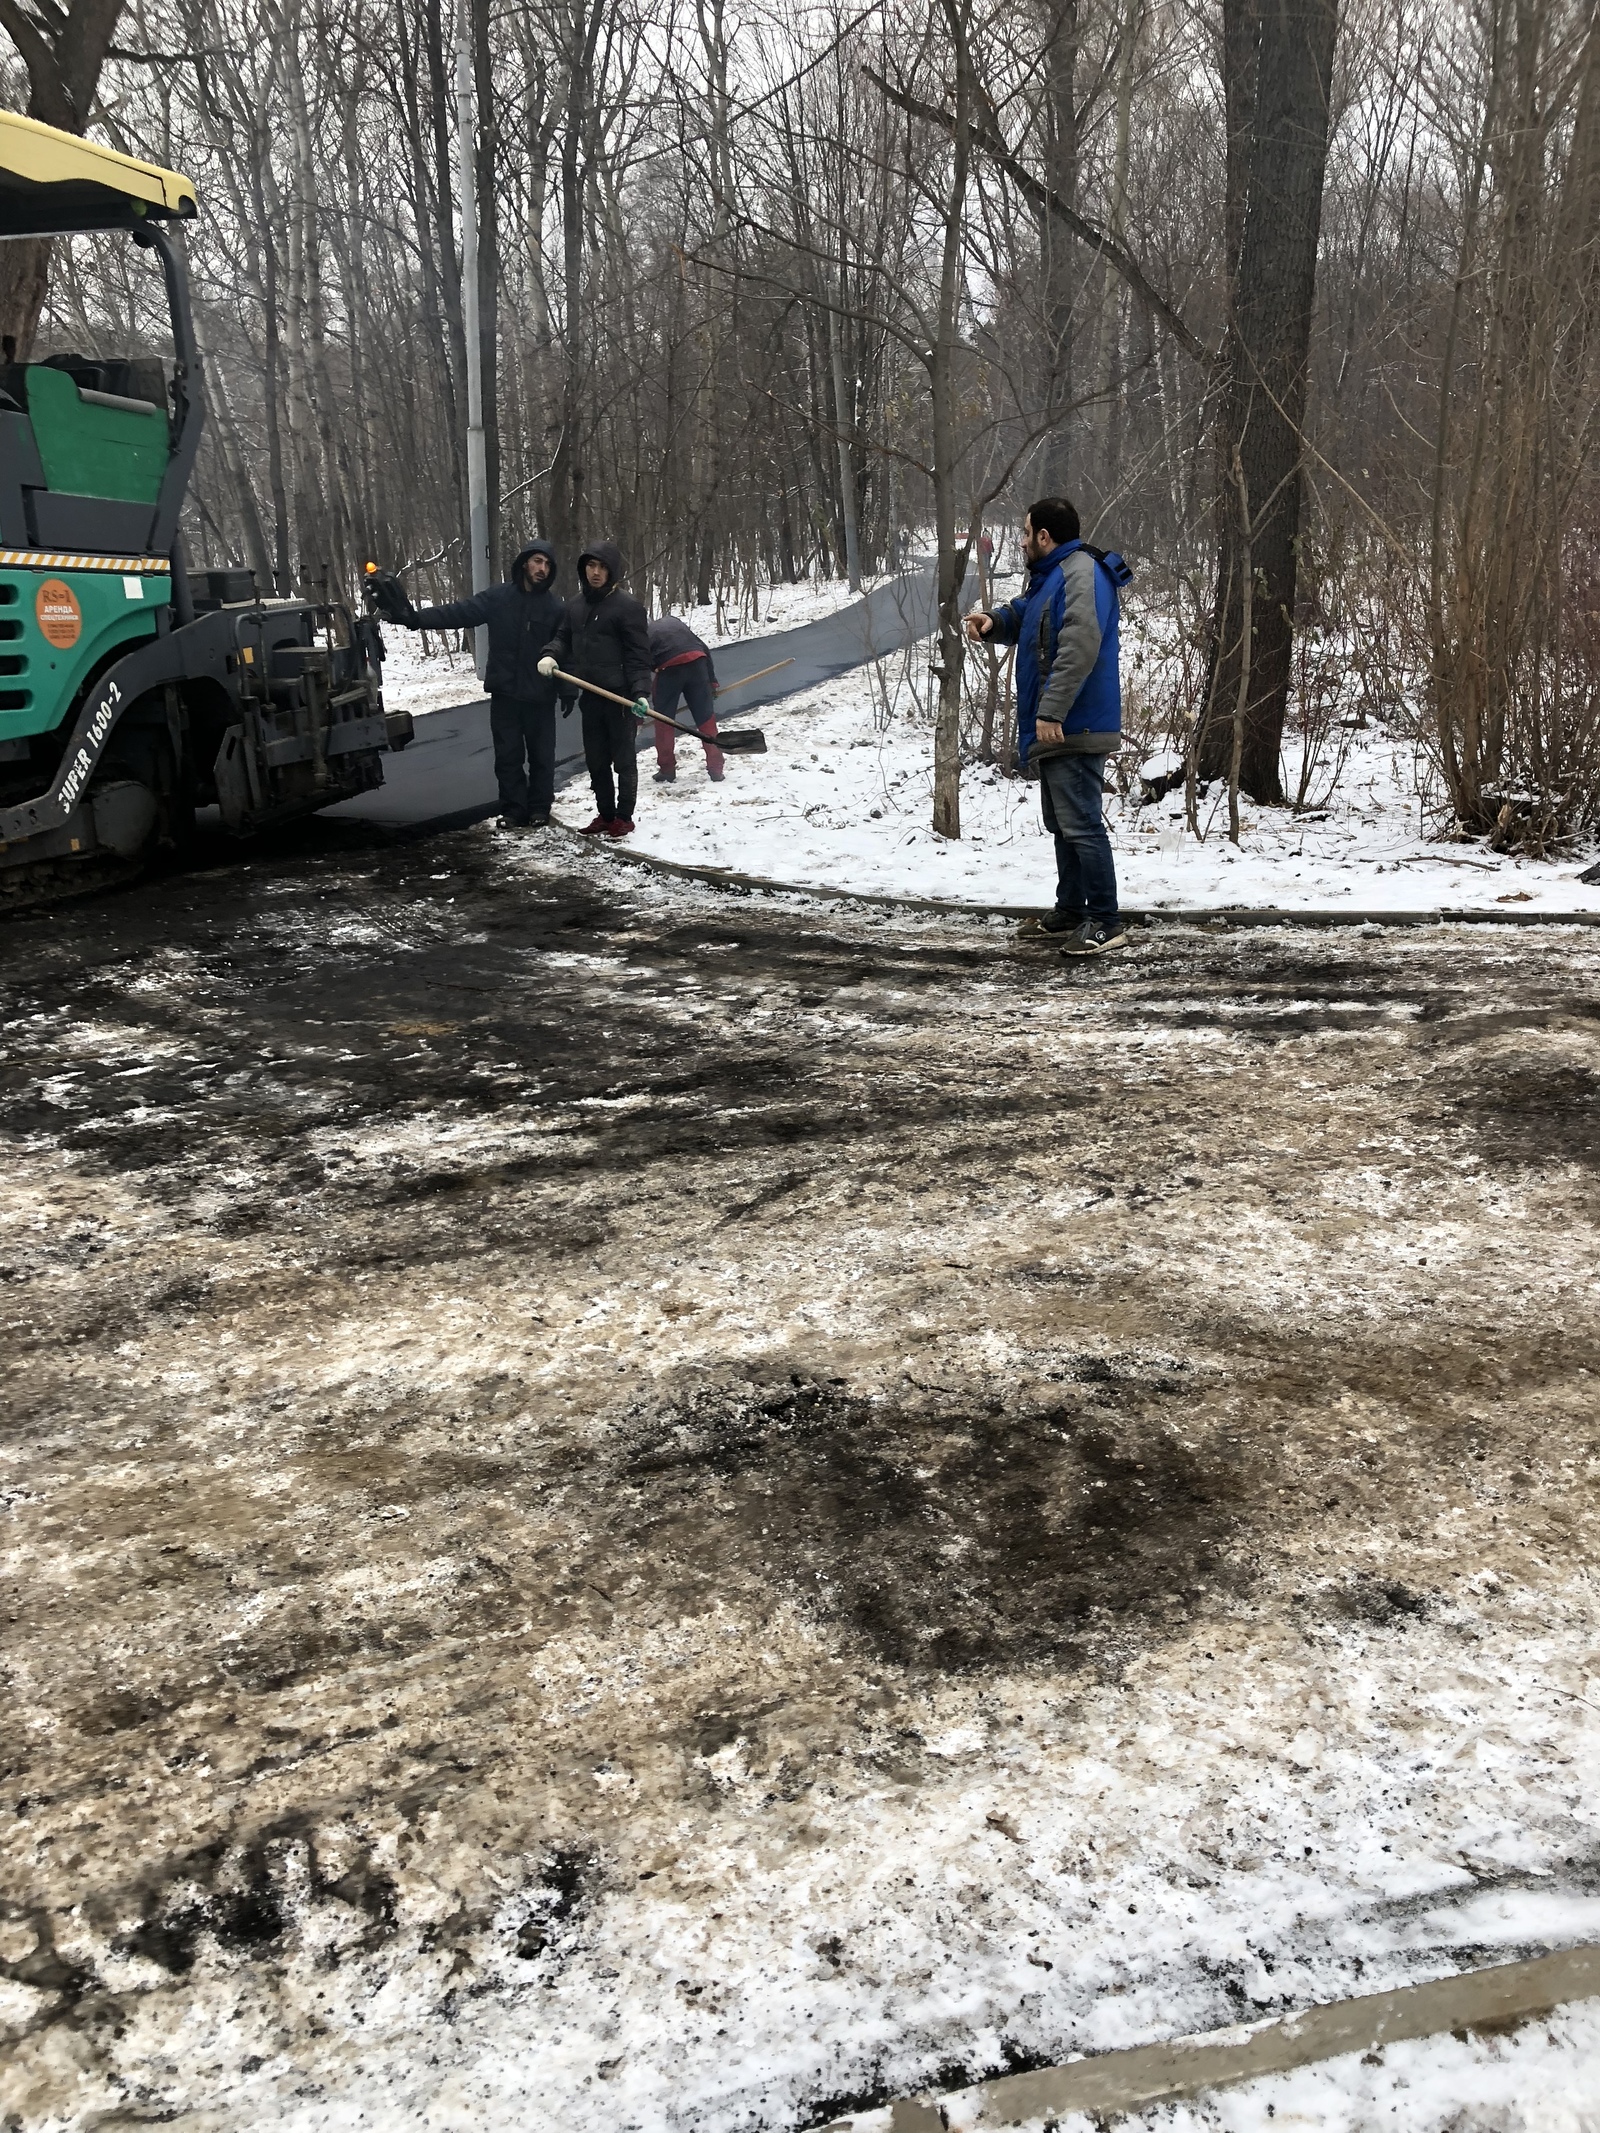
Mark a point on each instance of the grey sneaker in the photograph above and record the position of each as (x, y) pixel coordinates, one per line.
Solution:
(1096, 936)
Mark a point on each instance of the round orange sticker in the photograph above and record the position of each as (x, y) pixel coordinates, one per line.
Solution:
(60, 616)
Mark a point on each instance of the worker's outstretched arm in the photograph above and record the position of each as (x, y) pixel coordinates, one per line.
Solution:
(1001, 625)
(455, 615)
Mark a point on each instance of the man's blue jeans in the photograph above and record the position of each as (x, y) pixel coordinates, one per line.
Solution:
(1072, 788)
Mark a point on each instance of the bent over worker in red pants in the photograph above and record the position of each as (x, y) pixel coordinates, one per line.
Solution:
(683, 669)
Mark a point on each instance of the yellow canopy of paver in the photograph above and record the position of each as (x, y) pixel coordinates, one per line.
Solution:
(54, 182)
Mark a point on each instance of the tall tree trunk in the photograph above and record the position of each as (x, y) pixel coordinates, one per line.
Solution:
(1106, 369)
(434, 258)
(441, 103)
(1057, 247)
(539, 426)
(271, 388)
(64, 50)
(844, 424)
(950, 664)
(487, 180)
(226, 432)
(1264, 387)
(566, 477)
(583, 27)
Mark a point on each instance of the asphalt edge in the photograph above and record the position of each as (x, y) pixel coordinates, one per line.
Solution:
(1214, 915)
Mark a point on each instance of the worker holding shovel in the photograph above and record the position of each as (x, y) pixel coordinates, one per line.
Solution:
(603, 642)
(683, 669)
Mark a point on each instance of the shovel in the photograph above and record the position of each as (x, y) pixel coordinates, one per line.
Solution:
(736, 740)
(726, 688)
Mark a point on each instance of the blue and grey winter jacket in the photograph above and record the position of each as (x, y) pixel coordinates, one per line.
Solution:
(1064, 626)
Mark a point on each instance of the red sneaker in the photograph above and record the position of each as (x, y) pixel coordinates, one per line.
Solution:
(599, 827)
(622, 826)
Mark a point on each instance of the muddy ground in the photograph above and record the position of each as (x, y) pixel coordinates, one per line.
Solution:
(632, 1507)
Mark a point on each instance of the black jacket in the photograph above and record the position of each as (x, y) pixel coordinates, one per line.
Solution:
(604, 637)
(519, 622)
(671, 639)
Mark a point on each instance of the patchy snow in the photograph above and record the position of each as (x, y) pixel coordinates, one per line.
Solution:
(1085, 1873)
(770, 609)
(1543, 2077)
(426, 672)
(843, 802)
(412, 1372)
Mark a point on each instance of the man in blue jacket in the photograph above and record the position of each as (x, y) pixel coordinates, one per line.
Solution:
(1069, 710)
(521, 616)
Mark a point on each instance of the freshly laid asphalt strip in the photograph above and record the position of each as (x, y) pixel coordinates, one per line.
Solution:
(1161, 2073)
(445, 778)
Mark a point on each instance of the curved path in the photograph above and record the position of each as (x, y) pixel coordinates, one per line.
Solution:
(446, 777)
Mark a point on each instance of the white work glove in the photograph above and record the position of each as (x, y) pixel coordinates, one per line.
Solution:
(547, 666)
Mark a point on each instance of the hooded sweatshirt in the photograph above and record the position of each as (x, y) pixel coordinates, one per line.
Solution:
(518, 621)
(603, 636)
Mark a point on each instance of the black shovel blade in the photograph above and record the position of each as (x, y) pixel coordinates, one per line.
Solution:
(741, 740)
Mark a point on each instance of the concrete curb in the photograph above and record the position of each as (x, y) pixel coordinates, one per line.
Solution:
(1160, 2073)
(1215, 915)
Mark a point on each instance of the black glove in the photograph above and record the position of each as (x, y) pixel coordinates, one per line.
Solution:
(386, 596)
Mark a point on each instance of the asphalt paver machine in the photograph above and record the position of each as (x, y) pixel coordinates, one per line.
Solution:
(132, 692)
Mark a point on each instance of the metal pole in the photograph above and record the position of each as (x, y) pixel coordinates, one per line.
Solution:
(467, 199)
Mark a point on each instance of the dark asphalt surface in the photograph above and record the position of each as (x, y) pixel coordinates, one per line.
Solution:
(446, 776)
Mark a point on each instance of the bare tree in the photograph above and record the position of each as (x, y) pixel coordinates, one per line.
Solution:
(1277, 70)
(64, 50)
(1514, 669)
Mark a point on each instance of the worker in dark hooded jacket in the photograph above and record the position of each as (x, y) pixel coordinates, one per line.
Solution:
(519, 615)
(603, 637)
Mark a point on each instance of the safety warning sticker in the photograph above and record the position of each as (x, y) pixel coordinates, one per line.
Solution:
(60, 616)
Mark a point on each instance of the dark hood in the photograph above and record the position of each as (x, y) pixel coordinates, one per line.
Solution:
(533, 548)
(606, 552)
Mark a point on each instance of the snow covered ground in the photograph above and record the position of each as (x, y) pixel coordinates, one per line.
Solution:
(422, 674)
(843, 800)
(840, 803)
(773, 608)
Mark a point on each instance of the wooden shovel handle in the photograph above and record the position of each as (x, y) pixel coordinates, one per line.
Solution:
(594, 688)
(626, 702)
(760, 674)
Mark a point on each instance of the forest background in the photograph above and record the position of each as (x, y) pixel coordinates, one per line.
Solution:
(1297, 298)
